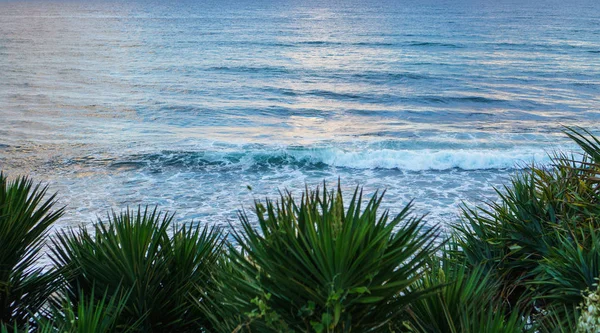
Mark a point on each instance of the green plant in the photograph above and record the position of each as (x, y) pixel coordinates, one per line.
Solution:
(569, 268)
(540, 239)
(467, 298)
(233, 306)
(5, 329)
(26, 214)
(164, 275)
(87, 315)
(492, 319)
(325, 268)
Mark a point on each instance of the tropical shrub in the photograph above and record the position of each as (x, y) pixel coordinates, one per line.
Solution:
(5, 329)
(321, 267)
(557, 319)
(540, 239)
(26, 214)
(163, 275)
(86, 315)
(467, 299)
(233, 306)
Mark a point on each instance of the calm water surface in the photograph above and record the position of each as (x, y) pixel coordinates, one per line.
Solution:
(185, 104)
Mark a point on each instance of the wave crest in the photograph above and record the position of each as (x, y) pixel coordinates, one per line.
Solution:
(409, 160)
(419, 160)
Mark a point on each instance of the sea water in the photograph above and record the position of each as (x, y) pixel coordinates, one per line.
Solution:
(201, 107)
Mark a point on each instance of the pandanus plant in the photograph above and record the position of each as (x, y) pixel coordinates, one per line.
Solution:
(316, 264)
(159, 269)
(467, 299)
(26, 215)
(541, 239)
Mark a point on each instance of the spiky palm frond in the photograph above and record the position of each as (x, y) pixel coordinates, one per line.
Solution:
(324, 268)
(6, 329)
(464, 297)
(493, 320)
(232, 305)
(164, 274)
(558, 319)
(569, 268)
(541, 237)
(87, 314)
(26, 214)
(586, 141)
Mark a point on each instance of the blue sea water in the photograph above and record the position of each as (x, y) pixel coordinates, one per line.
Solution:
(185, 104)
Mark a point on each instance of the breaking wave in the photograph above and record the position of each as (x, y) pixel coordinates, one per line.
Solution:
(410, 160)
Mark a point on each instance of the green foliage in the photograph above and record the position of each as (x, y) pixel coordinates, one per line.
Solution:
(26, 215)
(541, 239)
(557, 319)
(6, 329)
(467, 299)
(324, 268)
(83, 316)
(490, 320)
(569, 268)
(232, 305)
(164, 276)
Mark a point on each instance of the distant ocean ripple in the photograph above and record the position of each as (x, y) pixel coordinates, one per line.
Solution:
(185, 104)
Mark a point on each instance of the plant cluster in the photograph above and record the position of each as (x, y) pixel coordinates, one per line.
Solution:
(528, 262)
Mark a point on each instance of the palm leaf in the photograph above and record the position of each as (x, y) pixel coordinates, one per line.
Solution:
(26, 214)
(165, 268)
(321, 266)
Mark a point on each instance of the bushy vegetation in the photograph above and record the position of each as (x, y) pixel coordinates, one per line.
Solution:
(158, 275)
(25, 218)
(528, 262)
(321, 267)
(541, 239)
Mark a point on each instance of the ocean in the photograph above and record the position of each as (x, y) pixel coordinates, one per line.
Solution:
(201, 107)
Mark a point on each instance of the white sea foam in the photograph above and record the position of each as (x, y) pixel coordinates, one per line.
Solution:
(410, 160)
(417, 160)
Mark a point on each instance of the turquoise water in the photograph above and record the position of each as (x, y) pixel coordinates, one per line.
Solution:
(186, 104)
